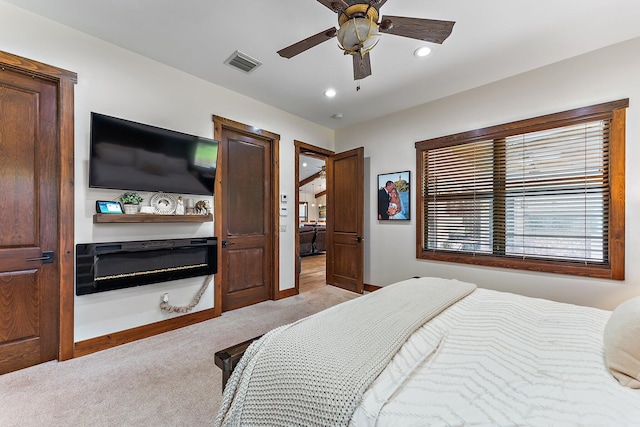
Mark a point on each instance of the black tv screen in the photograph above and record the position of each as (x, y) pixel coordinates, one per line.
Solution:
(126, 155)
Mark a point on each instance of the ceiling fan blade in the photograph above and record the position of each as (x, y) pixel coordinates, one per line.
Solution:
(429, 30)
(308, 43)
(361, 66)
(377, 3)
(335, 5)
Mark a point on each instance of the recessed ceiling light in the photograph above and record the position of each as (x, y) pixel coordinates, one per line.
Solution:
(304, 165)
(422, 51)
(330, 93)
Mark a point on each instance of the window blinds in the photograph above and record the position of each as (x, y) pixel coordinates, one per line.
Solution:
(540, 195)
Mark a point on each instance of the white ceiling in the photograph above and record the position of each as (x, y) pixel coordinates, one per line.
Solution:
(309, 166)
(491, 40)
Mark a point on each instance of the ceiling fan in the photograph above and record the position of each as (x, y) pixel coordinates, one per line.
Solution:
(359, 31)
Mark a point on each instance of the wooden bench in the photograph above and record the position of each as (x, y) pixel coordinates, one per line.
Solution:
(228, 358)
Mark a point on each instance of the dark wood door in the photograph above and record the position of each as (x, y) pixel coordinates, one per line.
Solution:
(29, 175)
(345, 220)
(246, 242)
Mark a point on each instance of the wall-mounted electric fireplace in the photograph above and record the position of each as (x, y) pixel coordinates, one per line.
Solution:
(115, 265)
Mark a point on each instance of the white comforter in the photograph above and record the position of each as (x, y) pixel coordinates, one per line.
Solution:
(314, 372)
(498, 359)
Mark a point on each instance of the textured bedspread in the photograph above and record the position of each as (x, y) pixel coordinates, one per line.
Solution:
(315, 371)
(502, 360)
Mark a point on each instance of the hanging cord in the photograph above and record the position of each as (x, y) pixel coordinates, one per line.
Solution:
(196, 299)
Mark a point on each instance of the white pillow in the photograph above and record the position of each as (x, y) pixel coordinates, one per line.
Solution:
(622, 343)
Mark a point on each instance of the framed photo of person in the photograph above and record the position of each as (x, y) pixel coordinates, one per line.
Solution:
(394, 196)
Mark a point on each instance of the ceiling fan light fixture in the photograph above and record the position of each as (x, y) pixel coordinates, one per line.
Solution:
(358, 35)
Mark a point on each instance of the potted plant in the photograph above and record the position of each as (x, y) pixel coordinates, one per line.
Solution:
(130, 201)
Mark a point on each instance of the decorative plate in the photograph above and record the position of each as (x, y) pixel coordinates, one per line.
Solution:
(163, 203)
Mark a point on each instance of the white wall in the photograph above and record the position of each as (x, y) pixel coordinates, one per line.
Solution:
(605, 75)
(120, 83)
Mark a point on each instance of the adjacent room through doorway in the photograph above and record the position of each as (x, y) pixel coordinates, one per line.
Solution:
(312, 209)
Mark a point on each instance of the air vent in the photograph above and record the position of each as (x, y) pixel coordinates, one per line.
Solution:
(243, 62)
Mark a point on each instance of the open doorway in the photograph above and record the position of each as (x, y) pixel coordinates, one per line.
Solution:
(344, 223)
(312, 216)
(312, 222)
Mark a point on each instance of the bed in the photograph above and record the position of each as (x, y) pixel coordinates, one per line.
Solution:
(436, 352)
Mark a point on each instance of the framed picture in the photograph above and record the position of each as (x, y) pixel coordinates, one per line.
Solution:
(322, 212)
(394, 200)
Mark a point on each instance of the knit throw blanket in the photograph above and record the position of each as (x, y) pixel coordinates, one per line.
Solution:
(314, 372)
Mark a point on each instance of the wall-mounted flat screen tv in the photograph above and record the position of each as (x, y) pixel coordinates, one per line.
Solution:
(126, 155)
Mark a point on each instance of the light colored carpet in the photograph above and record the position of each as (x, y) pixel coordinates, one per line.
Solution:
(165, 380)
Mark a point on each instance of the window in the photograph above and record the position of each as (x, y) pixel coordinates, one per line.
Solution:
(303, 211)
(544, 194)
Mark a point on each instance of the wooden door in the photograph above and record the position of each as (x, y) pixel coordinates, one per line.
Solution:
(245, 240)
(345, 220)
(29, 176)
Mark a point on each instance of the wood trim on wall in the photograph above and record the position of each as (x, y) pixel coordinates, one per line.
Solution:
(312, 150)
(371, 288)
(217, 215)
(534, 124)
(115, 339)
(276, 217)
(220, 123)
(66, 212)
(309, 179)
(617, 182)
(65, 80)
(31, 67)
(614, 267)
(286, 293)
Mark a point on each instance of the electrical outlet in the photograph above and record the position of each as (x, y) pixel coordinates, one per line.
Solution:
(165, 298)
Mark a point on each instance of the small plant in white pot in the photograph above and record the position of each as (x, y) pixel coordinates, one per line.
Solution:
(130, 201)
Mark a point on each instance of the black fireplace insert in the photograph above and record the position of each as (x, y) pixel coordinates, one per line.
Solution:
(115, 265)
